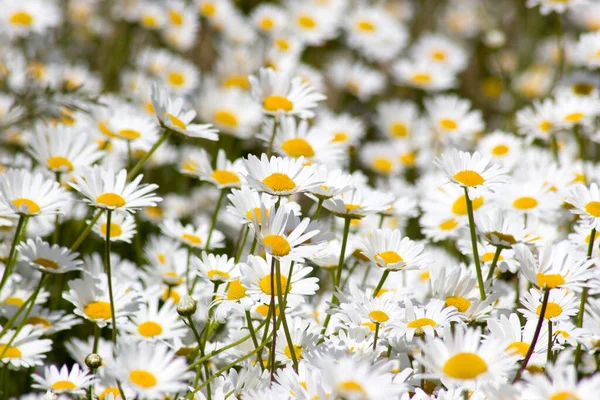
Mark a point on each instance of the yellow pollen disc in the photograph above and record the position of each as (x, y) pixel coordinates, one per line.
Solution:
(459, 302)
(176, 18)
(459, 206)
(32, 206)
(339, 137)
(382, 165)
(216, 274)
(520, 348)
(550, 281)
(448, 124)
(110, 199)
(22, 18)
(240, 81)
(263, 310)
(298, 147)
(208, 9)
(44, 262)
(161, 258)
(225, 177)
(193, 239)
(525, 203)
(236, 290)
(172, 277)
(465, 366)
(438, 55)
(564, 395)
(115, 229)
(351, 207)
(398, 129)
(11, 352)
(279, 182)
(306, 21)
(489, 256)
(351, 386)
(265, 285)
(545, 126)
(593, 208)
(408, 158)
(276, 103)
(174, 295)
(297, 351)
(98, 310)
(378, 316)
(129, 134)
(421, 78)
(60, 163)
(552, 310)
(190, 166)
(266, 24)
(225, 118)
(63, 385)
(176, 79)
(418, 324)
(37, 320)
(256, 212)
(370, 325)
(366, 26)
(278, 245)
(111, 390)
(14, 301)
(149, 21)
(500, 150)
(574, 117)
(176, 122)
(149, 329)
(424, 276)
(448, 225)
(469, 178)
(142, 378)
(388, 257)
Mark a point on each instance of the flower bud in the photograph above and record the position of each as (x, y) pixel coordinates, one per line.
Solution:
(93, 361)
(186, 306)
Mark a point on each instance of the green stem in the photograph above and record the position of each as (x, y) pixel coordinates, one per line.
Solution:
(474, 244)
(22, 308)
(251, 328)
(214, 218)
(281, 303)
(274, 316)
(147, 156)
(584, 295)
(109, 276)
(13, 250)
(270, 149)
(490, 274)
(381, 282)
(319, 207)
(549, 353)
(85, 231)
(376, 334)
(554, 148)
(97, 331)
(241, 247)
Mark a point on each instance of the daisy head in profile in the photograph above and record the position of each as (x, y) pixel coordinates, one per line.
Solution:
(471, 171)
(586, 204)
(63, 381)
(103, 188)
(30, 194)
(49, 259)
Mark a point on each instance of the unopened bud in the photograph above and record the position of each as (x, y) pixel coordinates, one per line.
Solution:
(494, 39)
(186, 306)
(93, 361)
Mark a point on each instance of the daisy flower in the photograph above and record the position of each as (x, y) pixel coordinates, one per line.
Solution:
(31, 195)
(500, 229)
(504, 148)
(281, 94)
(122, 227)
(440, 50)
(233, 296)
(548, 6)
(343, 128)
(26, 350)
(456, 286)
(279, 176)
(562, 305)
(225, 175)
(104, 189)
(586, 204)
(397, 119)
(460, 357)
(268, 18)
(246, 203)
(257, 277)
(153, 323)
(303, 342)
(191, 236)
(335, 182)
(515, 339)
(532, 198)
(452, 119)
(33, 16)
(538, 121)
(217, 268)
(358, 203)
(424, 75)
(174, 117)
(357, 78)
(49, 259)
(428, 320)
(49, 321)
(151, 370)
(61, 381)
(312, 24)
(389, 250)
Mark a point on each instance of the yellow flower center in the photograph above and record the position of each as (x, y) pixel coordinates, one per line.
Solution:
(14, 301)
(388, 257)
(256, 213)
(418, 324)
(379, 316)
(236, 290)
(500, 150)
(32, 206)
(110, 199)
(265, 285)
(46, 263)
(240, 81)
(129, 134)
(115, 229)
(110, 390)
(225, 177)
(176, 18)
(382, 165)
(192, 239)
(366, 26)
(149, 21)
(263, 310)
(545, 126)
(225, 118)
(22, 18)
(459, 206)
(278, 245)
(424, 275)
(398, 129)
(552, 310)
(448, 124)
(63, 385)
(98, 310)
(297, 351)
(37, 320)
(306, 21)
(276, 103)
(142, 378)
(520, 348)
(574, 117)
(438, 55)
(593, 208)
(60, 163)
(149, 329)
(298, 147)
(217, 274)
(177, 122)
(351, 386)
(459, 302)
(11, 352)
(279, 182)
(339, 137)
(176, 79)
(421, 78)
(469, 178)
(465, 366)
(489, 256)
(173, 296)
(370, 325)
(525, 203)
(266, 24)
(564, 395)
(550, 281)
(448, 225)
(408, 158)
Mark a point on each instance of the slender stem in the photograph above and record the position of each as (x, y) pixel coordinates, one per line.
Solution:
(85, 231)
(56, 233)
(214, 218)
(376, 335)
(109, 276)
(319, 207)
(97, 330)
(270, 149)
(187, 271)
(584, 295)
(554, 148)
(281, 304)
(274, 316)
(381, 282)
(474, 244)
(194, 330)
(253, 246)
(549, 353)
(241, 247)
(13, 250)
(490, 274)
(536, 335)
(147, 156)
(251, 328)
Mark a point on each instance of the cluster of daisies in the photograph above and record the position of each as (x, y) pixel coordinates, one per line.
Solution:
(305, 199)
